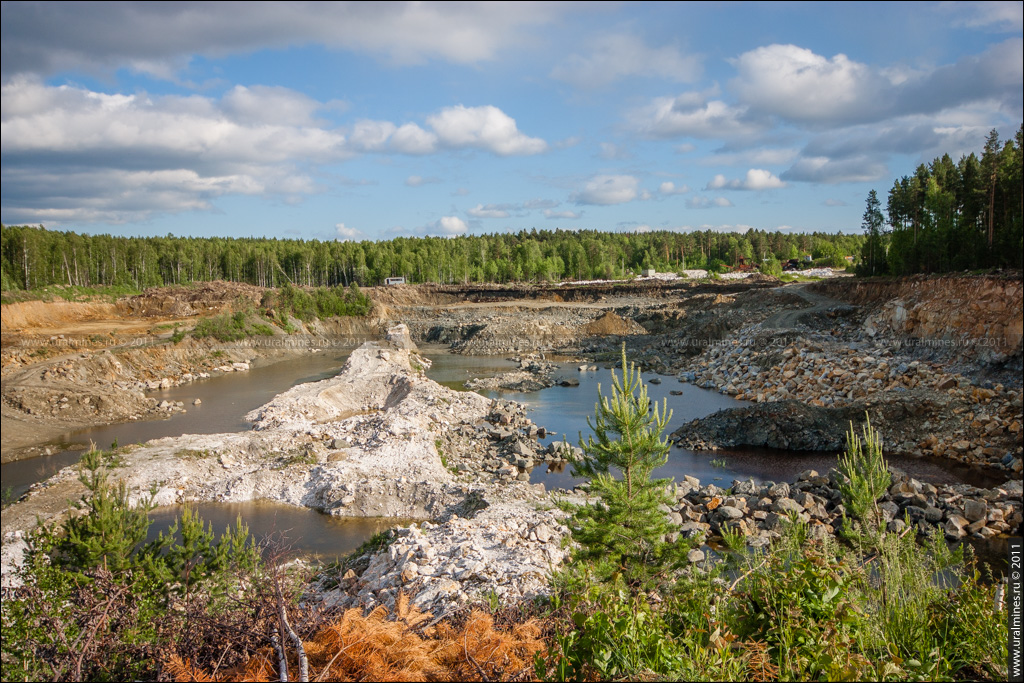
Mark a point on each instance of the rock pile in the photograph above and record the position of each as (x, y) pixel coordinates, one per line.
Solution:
(759, 368)
(953, 417)
(508, 551)
(534, 374)
(758, 511)
(502, 447)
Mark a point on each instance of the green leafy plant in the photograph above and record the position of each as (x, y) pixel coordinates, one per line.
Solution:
(615, 636)
(438, 444)
(734, 538)
(97, 603)
(228, 327)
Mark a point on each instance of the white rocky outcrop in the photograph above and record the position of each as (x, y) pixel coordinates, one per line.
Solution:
(365, 444)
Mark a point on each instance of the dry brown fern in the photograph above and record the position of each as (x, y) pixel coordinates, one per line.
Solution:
(479, 652)
(375, 647)
(411, 615)
(181, 670)
(759, 662)
(372, 647)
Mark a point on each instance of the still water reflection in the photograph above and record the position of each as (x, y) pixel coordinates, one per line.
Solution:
(307, 533)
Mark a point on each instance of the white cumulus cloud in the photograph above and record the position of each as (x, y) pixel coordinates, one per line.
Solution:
(798, 85)
(693, 115)
(489, 211)
(563, 215)
(147, 155)
(371, 136)
(411, 139)
(756, 179)
(345, 233)
(605, 190)
(487, 128)
(669, 188)
(701, 202)
(158, 38)
(449, 225)
(857, 169)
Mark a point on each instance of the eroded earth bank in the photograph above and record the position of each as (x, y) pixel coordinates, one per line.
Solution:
(933, 362)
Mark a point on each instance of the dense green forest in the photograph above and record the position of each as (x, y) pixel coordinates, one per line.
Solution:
(34, 257)
(951, 216)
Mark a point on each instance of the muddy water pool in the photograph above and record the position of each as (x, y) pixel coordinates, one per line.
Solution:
(306, 533)
(225, 400)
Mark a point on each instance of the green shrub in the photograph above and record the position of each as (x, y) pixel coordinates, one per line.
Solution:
(111, 528)
(98, 604)
(771, 267)
(228, 327)
(800, 607)
(319, 302)
(615, 636)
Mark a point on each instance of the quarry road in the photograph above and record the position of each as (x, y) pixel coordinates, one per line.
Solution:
(791, 318)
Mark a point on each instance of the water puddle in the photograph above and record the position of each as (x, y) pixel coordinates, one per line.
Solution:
(303, 532)
(454, 370)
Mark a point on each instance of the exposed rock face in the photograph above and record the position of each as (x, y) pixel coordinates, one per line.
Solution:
(977, 317)
(185, 301)
(784, 424)
(825, 382)
(375, 377)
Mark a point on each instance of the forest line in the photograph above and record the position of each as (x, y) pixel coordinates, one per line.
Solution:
(33, 257)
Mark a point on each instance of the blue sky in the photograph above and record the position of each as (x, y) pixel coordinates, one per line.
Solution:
(374, 120)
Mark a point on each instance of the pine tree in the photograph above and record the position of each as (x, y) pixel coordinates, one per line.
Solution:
(623, 532)
(112, 527)
(874, 250)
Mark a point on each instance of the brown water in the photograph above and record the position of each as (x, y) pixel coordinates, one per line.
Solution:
(304, 532)
(225, 401)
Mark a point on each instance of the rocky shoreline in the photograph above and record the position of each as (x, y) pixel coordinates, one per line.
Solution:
(758, 511)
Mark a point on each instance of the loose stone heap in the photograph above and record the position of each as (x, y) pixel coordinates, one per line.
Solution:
(534, 374)
(974, 424)
(505, 550)
(758, 511)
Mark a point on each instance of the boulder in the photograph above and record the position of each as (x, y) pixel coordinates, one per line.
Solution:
(975, 510)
